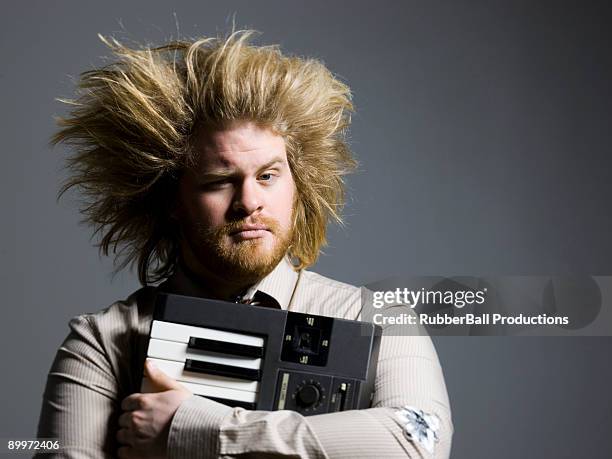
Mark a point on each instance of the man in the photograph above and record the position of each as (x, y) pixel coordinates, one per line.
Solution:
(215, 166)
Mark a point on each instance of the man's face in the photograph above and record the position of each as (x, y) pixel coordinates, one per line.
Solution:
(235, 207)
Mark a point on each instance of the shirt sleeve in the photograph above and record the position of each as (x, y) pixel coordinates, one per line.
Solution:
(80, 406)
(408, 373)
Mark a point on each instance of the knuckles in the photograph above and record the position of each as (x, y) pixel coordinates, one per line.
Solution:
(144, 402)
(137, 419)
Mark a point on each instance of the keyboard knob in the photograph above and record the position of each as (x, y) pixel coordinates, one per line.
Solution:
(308, 395)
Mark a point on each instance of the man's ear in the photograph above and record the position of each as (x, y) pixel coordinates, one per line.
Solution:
(175, 210)
(174, 207)
(175, 216)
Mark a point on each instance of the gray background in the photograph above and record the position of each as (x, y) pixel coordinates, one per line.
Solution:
(483, 131)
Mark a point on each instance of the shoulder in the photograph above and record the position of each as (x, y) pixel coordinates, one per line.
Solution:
(322, 295)
(115, 337)
(122, 316)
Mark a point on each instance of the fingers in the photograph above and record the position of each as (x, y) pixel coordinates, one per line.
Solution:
(124, 437)
(132, 402)
(126, 452)
(159, 380)
(125, 420)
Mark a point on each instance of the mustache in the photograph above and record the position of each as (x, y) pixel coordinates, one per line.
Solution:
(234, 226)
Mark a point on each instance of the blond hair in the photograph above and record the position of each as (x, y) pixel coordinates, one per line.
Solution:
(133, 120)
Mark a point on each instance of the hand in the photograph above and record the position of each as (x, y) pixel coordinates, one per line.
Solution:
(145, 423)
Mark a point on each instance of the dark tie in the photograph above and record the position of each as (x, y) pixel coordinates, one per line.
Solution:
(261, 299)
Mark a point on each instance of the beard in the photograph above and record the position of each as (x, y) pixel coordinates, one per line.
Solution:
(245, 261)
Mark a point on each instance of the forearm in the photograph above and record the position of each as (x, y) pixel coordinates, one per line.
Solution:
(202, 429)
(376, 432)
(205, 429)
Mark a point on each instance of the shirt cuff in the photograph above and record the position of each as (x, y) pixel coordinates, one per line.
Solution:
(194, 430)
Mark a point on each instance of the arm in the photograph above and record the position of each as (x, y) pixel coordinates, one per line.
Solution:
(80, 400)
(408, 374)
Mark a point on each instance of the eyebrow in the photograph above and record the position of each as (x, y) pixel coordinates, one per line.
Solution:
(218, 174)
(273, 162)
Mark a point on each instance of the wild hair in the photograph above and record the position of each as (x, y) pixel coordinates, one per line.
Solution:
(133, 120)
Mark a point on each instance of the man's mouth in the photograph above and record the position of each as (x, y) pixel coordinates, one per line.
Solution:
(253, 231)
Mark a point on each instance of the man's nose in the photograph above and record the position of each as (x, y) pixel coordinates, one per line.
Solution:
(248, 198)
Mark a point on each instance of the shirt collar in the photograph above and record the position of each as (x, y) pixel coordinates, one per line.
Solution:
(279, 284)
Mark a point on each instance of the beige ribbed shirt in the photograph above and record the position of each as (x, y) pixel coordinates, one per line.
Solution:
(99, 364)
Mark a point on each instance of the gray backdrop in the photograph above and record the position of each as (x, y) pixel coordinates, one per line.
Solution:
(483, 132)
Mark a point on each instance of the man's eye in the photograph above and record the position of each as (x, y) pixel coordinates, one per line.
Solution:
(266, 177)
(215, 185)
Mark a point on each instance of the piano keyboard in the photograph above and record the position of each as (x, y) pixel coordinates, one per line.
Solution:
(263, 358)
(224, 366)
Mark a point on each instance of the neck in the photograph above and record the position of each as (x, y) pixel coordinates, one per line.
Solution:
(214, 285)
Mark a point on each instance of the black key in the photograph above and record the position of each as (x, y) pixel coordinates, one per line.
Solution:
(222, 370)
(243, 350)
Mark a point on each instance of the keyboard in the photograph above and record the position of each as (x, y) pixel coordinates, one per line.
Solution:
(261, 358)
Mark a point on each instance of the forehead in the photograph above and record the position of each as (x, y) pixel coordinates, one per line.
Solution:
(243, 145)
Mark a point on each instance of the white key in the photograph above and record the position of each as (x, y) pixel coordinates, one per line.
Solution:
(172, 350)
(181, 333)
(176, 370)
(209, 391)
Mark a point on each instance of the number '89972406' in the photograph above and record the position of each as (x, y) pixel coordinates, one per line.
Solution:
(47, 445)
